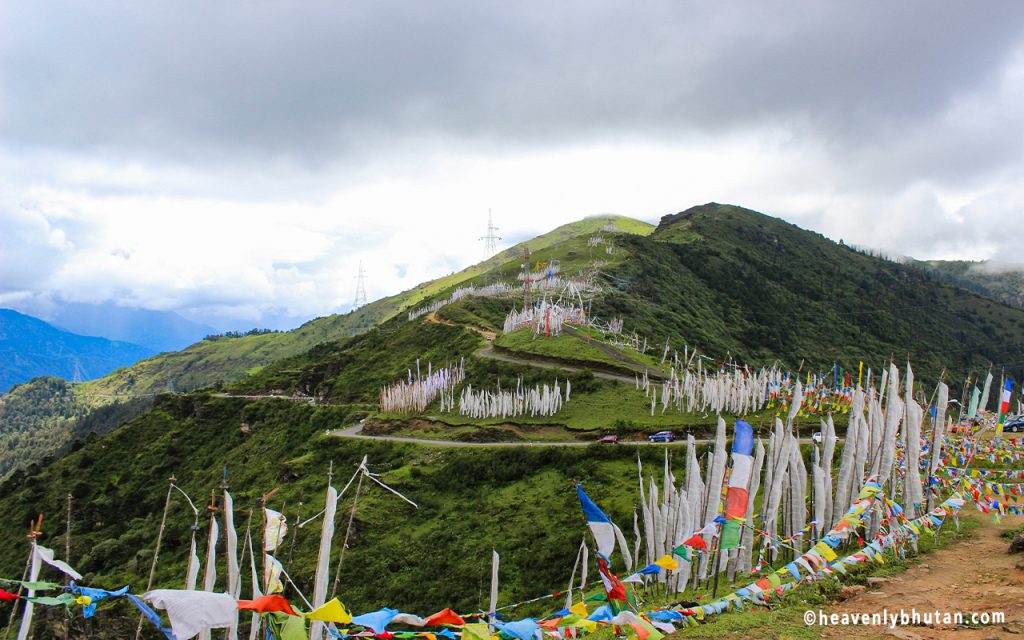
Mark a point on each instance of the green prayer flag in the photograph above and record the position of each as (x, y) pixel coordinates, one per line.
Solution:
(34, 586)
(63, 600)
(476, 631)
(682, 552)
(287, 627)
(730, 535)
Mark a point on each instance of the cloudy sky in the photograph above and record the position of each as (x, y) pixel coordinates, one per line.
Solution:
(234, 161)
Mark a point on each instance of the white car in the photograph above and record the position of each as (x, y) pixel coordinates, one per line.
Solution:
(816, 437)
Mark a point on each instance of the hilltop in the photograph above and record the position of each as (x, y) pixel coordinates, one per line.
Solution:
(735, 281)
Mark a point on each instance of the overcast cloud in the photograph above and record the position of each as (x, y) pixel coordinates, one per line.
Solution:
(234, 161)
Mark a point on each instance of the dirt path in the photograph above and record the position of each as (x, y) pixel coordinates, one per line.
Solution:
(487, 351)
(616, 355)
(974, 576)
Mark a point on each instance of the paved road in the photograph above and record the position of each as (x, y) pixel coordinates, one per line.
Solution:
(305, 399)
(354, 433)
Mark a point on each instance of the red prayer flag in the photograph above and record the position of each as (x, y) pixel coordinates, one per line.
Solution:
(445, 616)
(697, 542)
(615, 589)
(6, 596)
(266, 604)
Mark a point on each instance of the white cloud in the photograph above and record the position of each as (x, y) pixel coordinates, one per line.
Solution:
(242, 178)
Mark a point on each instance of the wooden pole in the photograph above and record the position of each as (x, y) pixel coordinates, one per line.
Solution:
(14, 607)
(35, 529)
(156, 551)
(348, 532)
(67, 535)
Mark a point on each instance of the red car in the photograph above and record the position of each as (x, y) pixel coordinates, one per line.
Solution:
(612, 439)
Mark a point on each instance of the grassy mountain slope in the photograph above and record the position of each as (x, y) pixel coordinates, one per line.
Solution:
(30, 347)
(728, 280)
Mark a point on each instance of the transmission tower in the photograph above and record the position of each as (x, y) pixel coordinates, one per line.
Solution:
(491, 239)
(360, 288)
(77, 376)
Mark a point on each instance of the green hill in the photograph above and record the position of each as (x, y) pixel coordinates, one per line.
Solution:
(730, 282)
(209, 362)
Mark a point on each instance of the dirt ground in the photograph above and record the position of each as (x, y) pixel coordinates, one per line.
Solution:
(974, 576)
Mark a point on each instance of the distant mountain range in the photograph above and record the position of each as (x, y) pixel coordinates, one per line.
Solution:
(157, 330)
(30, 347)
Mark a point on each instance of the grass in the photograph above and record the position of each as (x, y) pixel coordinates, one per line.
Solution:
(1010, 534)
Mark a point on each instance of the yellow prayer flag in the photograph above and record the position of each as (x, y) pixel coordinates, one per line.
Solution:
(825, 551)
(667, 562)
(579, 609)
(476, 631)
(332, 611)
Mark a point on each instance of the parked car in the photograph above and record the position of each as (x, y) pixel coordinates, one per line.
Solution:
(1014, 425)
(816, 437)
(662, 436)
(609, 439)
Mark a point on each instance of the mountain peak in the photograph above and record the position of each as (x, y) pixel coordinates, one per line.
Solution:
(717, 212)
